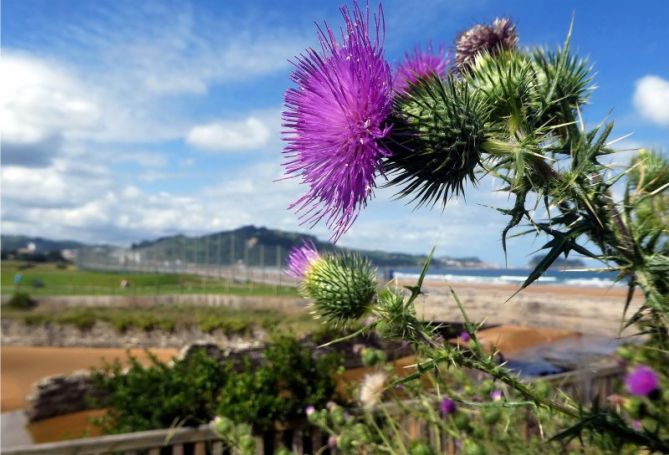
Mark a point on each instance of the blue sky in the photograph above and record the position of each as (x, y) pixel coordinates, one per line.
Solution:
(126, 120)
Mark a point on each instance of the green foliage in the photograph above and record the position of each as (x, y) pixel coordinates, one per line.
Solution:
(238, 436)
(192, 390)
(340, 286)
(169, 318)
(160, 395)
(279, 389)
(21, 301)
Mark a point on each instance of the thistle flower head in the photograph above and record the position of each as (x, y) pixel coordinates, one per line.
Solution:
(336, 120)
(438, 133)
(301, 258)
(419, 65)
(447, 406)
(341, 287)
(496, 395)
(500, 35)
(642, 381)
(372, 388)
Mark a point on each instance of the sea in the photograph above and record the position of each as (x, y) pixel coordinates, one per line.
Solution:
(556, 277)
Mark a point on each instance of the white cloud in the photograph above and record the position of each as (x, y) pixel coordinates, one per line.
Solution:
(651, 99)
(39, 98)
(41, 106)
(249, 134)
(95, 207)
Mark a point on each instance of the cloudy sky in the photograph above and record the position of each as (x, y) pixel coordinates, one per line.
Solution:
(127, 120)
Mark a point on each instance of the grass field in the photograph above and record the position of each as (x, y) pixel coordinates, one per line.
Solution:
(50, 279)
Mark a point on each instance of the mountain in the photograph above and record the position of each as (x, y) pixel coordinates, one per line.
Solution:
(249, 244)
(41, 245)
(263, 246)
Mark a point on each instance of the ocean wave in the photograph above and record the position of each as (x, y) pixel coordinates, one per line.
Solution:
(508, 279)
(592, 282)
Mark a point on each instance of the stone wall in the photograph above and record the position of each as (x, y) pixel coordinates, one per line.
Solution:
(103, 335)
(61, 394)
(232, 301)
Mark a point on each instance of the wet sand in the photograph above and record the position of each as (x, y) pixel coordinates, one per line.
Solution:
(22, 366)
(594, 311)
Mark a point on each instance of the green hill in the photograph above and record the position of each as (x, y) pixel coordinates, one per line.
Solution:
(260, 245)
(14, 242)
(248, 244)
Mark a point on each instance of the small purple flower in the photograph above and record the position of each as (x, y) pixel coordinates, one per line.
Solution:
(309, 410)
(335, 121)
(636, 424)
(447, 406)
(332, 442)
(496, 395)
(464, 337)
(642, 381)
(420, 65)
(301, 258)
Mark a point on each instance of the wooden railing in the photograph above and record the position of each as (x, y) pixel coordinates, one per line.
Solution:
(178, 441)
(583, 385)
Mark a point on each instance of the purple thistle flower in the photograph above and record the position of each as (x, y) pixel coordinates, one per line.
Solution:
(420, 65)
(496, 395)
(464, 337)
(636, 425)
(301, 258)
(332, 442)
(447, 406)
(309, 410)
(642, 381)
(493, 38)
(335, 120)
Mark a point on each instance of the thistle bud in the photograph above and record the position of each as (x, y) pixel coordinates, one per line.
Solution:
(500, 35)
(341, 287)
(437, 138)
(649, 171)
(222, 425)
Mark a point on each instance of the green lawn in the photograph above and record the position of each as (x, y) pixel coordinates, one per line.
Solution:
(49, 279)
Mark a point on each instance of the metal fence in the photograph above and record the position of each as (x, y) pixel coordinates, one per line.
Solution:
(217, 256)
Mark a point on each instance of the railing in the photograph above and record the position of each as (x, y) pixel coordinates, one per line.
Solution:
(583, 385)
(177, 441)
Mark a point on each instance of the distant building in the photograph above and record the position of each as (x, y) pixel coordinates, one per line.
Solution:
(30, 248)
(69, 255)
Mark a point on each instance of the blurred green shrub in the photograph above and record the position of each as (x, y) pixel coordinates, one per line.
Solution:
(21, 301)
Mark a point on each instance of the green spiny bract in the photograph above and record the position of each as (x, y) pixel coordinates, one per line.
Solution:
(340, 286)
(563, 83)
(437, 139)
(396, 318)
(649, 172)
(507, 83)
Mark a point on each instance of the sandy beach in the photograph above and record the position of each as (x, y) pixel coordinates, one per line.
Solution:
(22, 366)
(590, 310)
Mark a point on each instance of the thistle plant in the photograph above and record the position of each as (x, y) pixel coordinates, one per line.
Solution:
(336, 119)
(340, 286)
(502, 112)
